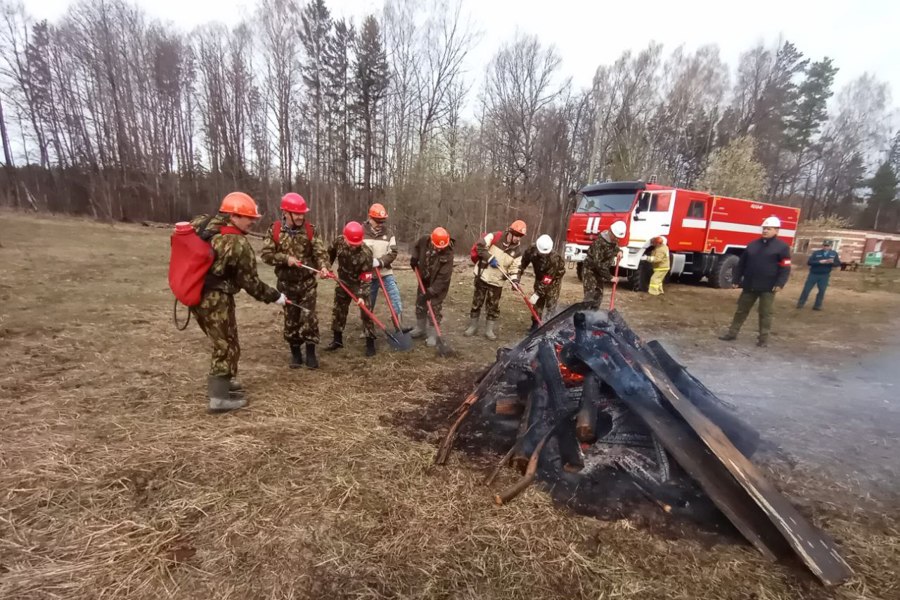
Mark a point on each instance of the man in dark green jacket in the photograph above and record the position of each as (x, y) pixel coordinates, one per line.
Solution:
(762, 271)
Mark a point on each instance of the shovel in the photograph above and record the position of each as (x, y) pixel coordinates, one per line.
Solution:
(522, 294)
(398, 342)
(398, 329)
(612, 296)
(442, 348)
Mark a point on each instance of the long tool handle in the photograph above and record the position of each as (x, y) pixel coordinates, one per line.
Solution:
(387, 299)
(612, 296)
(363, 307)
(522, 294)
(437, 328)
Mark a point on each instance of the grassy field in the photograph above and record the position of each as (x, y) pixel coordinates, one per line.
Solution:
(115, 482)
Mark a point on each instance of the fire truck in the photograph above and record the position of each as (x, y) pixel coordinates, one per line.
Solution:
(706, 233)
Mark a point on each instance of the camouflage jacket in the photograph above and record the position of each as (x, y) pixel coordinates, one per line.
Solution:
(234, 268)
(435, 266)
(354, 262)
(601, 256)
(294, 242)
(383, 245)
(548, 269)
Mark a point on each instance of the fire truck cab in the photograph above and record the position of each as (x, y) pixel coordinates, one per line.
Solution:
(706, 234)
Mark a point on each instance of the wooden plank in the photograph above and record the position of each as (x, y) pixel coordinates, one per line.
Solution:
(607, 362)
(814, 547)
(443, 451)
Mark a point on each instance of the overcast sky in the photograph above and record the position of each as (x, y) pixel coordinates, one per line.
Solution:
(860, 36)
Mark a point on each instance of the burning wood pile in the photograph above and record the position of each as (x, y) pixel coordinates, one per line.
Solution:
(584, 394)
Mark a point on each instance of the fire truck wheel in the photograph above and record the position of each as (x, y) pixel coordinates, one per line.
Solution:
(639, 279)
(723, 273)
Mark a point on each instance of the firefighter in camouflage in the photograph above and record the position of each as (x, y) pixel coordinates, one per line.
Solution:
(233, 269)
(355, 271)
(549, 269)
(600, 257)
(289, 244)
(432, 255)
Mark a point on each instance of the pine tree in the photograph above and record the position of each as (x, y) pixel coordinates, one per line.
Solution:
(882, 201)
(372, 77)
(316, 31)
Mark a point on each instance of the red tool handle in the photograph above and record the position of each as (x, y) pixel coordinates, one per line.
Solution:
(522, 294)
(344, 287)
(362, 306)
(612, 296)
(437, 328)
(387, 299)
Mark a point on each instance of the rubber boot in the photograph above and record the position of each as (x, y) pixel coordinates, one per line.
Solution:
(419, 331)
(762, 341)
(370, 346)
(473, 327)
(336, 343)
(728, 336)
(236, 390)
(220, 399)
(431, 342)
(296, 355)
(311, 361)
(489, 331)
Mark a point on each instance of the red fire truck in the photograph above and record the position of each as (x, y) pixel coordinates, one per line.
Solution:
(706, 233)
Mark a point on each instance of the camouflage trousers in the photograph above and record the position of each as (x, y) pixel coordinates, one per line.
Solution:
(215, 316)
(301, 323)
(342, 304)
(488, 295)
(547, 300)
(593, 286)
(422, 308)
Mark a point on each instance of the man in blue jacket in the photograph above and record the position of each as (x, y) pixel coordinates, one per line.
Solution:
(762, 271)
(820, 262)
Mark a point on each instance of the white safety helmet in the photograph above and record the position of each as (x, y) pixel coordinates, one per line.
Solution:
(618, 229)
(772, 222)
(544, 244)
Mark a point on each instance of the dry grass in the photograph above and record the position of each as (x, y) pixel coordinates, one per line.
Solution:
(115, 483)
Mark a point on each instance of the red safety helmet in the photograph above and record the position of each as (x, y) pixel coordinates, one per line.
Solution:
(294, 203)
(239, 203)
(440, 238)
(377, 211)
(353, 233)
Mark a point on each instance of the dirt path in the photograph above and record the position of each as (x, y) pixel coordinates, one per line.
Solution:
(839, 421)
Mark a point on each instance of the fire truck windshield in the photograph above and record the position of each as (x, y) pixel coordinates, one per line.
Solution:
(611, 201)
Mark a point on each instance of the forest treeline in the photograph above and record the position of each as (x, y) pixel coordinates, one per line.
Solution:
(108, 113)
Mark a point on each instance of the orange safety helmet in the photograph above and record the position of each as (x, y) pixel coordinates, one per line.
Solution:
(440, 238)
(377, 211)
(294, 203)
(353, 233)
(518, 227)
(239, 203)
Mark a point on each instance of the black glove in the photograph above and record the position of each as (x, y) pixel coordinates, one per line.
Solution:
(413, 262)
(428, 295)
